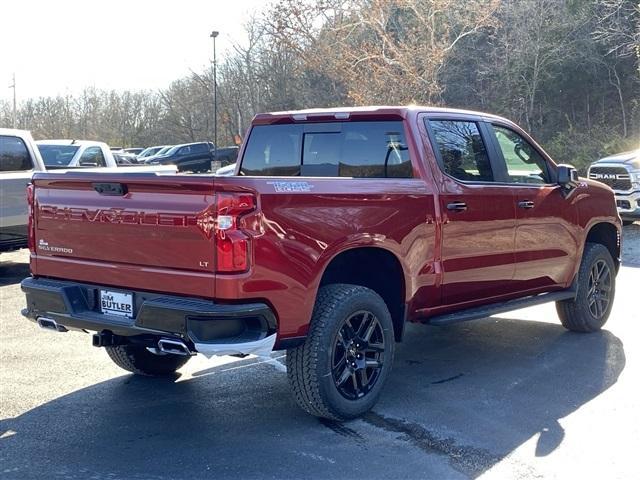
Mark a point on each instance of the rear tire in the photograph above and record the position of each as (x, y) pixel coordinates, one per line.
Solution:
(137, 359)
(590, 308)
(339, 372)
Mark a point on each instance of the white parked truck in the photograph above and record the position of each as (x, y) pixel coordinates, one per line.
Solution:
(19, 158)
(621, 172)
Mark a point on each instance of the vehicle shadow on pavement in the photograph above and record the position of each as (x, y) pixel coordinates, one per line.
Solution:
(13, 272)
(459, 400)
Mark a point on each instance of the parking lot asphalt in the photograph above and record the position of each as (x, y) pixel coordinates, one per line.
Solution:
(514, 396)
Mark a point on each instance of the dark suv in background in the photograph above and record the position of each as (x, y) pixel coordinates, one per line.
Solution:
(196, 157)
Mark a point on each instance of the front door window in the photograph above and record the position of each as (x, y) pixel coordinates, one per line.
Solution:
(524, 163)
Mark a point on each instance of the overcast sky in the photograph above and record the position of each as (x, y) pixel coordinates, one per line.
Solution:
(61, 46)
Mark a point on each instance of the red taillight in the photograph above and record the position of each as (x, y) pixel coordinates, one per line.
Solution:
(232, 244)
(31, 228)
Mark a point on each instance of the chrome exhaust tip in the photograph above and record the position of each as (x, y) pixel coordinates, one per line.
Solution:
(51, 324)
(173, 347)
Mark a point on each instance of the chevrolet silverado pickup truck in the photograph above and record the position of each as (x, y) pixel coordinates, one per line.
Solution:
(621, 172)
(338, 227)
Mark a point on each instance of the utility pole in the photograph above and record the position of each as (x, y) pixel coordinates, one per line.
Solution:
(13, 85)
(213, 35)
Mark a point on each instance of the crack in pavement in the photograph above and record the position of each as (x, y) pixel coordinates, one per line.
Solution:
(470, 461)
(445, 380)
(343, 430)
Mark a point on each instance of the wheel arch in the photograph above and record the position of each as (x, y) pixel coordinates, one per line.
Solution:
(376, 268)
(608, 235)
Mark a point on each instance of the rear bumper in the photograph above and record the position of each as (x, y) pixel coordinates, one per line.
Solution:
(205, 326)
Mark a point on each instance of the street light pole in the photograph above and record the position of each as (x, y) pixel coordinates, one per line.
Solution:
(13, 85)
(213, 35)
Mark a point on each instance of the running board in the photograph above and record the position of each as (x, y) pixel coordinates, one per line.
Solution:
(484, 311)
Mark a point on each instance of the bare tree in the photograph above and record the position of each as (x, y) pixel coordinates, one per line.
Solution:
(566, 69)
(618, 29)
(383, 52)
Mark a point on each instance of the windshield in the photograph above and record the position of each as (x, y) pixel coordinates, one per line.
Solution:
(170, 150)
(164, 150)
(57, 155)
(150, 151)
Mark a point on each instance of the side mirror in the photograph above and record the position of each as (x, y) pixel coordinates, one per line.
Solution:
(567, 176)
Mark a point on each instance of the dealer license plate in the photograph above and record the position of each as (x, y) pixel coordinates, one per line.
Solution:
(116, 303)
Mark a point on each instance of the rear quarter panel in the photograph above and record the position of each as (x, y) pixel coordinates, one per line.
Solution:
(297, 233)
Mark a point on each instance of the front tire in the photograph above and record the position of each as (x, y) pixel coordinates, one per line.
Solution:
(339, 372)
(590, 309)
(137, 359)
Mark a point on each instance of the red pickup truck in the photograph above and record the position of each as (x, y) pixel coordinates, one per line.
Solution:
(339, 227)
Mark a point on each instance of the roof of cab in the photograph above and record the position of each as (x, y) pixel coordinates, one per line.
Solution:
(69, 142)
(343, 113)
(14, 132)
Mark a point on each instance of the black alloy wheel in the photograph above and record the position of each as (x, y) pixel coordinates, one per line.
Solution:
(598, 295)
(340, 370)
(357, 356)
(595, 287)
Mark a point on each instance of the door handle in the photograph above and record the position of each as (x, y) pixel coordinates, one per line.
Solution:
(457, 206)
(526, 204)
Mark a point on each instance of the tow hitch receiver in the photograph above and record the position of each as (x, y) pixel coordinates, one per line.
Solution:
(106, 339)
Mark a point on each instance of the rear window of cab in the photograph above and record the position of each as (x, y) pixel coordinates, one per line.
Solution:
(334, 149)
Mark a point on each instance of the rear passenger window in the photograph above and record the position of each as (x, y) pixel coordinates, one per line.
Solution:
(463, 154)
(14, 156)
(345, 149)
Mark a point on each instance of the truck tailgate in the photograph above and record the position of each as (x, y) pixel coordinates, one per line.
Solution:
(137, 230)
